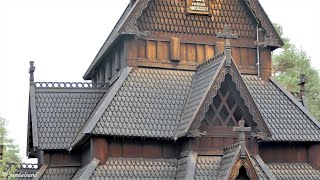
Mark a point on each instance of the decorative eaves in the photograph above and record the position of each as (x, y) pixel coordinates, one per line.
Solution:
(205, 88)
(273, 38)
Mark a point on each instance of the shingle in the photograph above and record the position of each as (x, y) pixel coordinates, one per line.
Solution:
(260, 172)
(201, 82)
(61, 113)
(59, 173)
(293, 171)
(207, 167)
(148, 104)
(134, 169)
(230, 153)
(286, 121)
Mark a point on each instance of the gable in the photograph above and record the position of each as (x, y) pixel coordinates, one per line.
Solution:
(287, 119)
(206, 83)
(228, 107)
(170, 16)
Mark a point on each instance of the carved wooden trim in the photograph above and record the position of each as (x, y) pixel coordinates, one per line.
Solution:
(244, 93)
(259, 13)
(130, 26)
(249, 102)
(249, 169)
(209, 99)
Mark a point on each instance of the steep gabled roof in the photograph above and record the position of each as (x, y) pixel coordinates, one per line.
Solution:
(287, 118)
(206, 82)
(58, 110)
(128, 24)
(144, 103)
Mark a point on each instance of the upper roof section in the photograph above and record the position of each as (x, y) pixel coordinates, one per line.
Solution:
(162, 19)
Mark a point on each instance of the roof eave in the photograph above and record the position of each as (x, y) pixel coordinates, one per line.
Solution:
(295, 101)
(112, 38)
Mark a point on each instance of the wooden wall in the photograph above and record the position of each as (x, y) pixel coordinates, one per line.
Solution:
(137, 148)
(283, 152)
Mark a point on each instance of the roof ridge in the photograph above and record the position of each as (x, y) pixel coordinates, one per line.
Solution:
(67, 85)
(295, 101)
(101, 107)
(209, 61)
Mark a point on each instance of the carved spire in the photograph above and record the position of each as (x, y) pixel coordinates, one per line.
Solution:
(1, 152)
(31, 71)
(242, 137)
(227, 36)
(302, 83)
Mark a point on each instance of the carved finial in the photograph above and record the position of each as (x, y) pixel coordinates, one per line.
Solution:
(1, 152)
(242, 137)
(31, 71)
(302, 83)
(227, 36)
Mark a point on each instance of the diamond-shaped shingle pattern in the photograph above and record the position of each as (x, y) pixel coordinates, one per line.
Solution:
(200, 84)
(170, 16)
(207, 167)
(60, 115)
(134, 169)
(293, 171)
(148, 104)
(59, 173)
(286, 121)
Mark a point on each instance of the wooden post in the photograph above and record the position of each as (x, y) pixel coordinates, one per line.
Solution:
(314, 156)
(266, 63)
(175, 49)
(99, 149)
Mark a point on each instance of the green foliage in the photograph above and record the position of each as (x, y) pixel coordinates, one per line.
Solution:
(287, 67)
(10, 151)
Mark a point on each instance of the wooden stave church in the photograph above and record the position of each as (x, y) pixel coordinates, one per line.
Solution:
(165, 95)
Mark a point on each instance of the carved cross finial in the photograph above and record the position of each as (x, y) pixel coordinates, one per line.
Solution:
(1, 152)
(242, 137)
(31, 71)
(227, 35)
(302, 83)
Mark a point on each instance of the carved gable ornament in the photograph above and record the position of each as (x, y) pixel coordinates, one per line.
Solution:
(198, 7)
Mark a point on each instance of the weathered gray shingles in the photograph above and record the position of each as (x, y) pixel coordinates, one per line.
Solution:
(286, 121)
(61, 115)
(148, 104)
(207, 167)
(260, 172)
(182, 168)
(226, 160)
(293, 171)
(59, 173)
(134, 169)
(200, 84)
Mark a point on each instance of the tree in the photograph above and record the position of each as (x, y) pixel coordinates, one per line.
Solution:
(10, 151)
(287, 67)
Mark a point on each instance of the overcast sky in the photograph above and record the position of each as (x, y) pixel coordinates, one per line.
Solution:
(63, 37)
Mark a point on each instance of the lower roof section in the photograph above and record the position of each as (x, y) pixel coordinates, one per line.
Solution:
(292, 171)
(199, 167)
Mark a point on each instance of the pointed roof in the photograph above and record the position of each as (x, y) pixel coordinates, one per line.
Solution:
(206, 82)
(128, 24)
(287, 118)
(57, 110)
(231, 163)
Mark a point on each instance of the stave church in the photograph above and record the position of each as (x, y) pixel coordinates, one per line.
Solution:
(180, 90)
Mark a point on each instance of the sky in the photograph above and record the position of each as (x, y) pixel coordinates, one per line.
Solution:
(63, 37)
